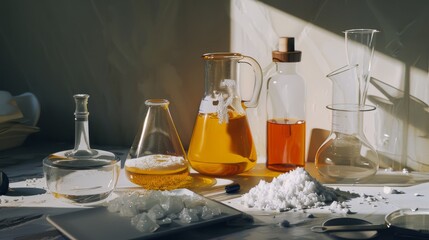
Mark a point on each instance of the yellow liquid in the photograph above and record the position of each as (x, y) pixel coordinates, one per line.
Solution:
(158, 179)
(221, 149)
(158, 172)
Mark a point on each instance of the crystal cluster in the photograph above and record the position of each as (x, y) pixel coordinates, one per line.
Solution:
(152, 209)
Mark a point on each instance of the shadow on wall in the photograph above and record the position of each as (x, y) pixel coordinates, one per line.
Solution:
(402, 23)
(402, 124)
(119, 52)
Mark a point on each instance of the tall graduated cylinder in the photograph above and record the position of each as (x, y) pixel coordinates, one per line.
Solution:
(222, 143)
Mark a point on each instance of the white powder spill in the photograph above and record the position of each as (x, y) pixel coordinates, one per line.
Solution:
(295, 189)
(157, 162)
(390, 190)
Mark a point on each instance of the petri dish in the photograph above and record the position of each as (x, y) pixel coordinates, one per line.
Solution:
(409, 222)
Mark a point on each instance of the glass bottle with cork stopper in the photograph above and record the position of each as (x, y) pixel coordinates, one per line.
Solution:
(286, 125)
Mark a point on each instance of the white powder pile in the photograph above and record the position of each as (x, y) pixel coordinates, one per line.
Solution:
(157, 162)
(295, 189)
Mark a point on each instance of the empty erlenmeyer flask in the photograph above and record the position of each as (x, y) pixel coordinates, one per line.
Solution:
(346, 155)
(157, 159)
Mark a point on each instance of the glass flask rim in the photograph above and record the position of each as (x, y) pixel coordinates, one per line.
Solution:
(361, 30)
(47, 162)
(156, 102)
(341, 70)
(221, 55)
(81, 95)
(350, 107)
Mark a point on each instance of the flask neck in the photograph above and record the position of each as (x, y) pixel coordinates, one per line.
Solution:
(347, 122)
(286, 67)
(218, 74)
(81, 145)
(81, 142)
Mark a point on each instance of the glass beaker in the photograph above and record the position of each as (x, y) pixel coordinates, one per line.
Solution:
(360, 45)
(345, 87)
(81, 175)
(388, 133)
(157, 159)
(222, 143)
(346, 155)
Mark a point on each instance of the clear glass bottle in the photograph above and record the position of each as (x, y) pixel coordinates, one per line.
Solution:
(81, 175)
(157, 159)
(286, 111)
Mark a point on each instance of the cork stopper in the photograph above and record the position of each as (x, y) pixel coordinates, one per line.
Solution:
(287, 52)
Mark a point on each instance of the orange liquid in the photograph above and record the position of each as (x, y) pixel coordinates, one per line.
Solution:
(285, 144)
(221, 149)
(159, 180)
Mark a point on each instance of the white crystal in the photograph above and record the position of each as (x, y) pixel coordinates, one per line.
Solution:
(156, 212)
(172, 204)
(114, 205)
(145, 224)
(193, 201)
(127, 210)
(207, 213)
(187, 216)
(149, 200)
(173, 215)
(216, 211)
(164, 221)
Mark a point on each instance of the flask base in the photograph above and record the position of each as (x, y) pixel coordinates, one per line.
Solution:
(283, 167)
(222, 169)
(151, 180)
(346, 174)
(82, 199)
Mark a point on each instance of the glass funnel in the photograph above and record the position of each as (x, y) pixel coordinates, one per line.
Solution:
(346, 155)
(157, 159)
(360, 45)
(81, 175)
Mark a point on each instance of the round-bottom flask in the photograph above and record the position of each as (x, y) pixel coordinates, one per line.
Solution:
(157, 159)
(81, 175)
(346, 156)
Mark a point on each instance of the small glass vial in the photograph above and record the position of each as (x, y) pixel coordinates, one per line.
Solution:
(157, 160)
(286, 110)
(81, 175)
